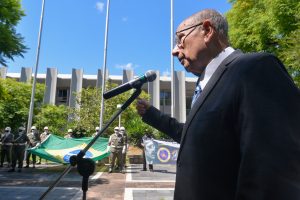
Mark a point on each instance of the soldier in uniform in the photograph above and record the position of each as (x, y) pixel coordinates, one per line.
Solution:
(18, 150)
(97, 131)
(34, 138)
(116, 143)
(124, 151)
(44, 135)
(69, 134)
(6, 141)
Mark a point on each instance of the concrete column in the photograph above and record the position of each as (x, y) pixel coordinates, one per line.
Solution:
(100, 77)
(3, 72)
(180, 96)
(51, 82)
(26, 74)
(154, 91)
(127, 75)
(76, 86)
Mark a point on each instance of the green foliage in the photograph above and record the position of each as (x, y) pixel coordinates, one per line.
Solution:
(11, 43)
(135, 127)
(15, 100)
(87, 116)
(290, 52)
(267, 25)
(259, 25)
(55, 117)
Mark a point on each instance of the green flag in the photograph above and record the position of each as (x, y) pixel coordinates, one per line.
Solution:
(59, 149)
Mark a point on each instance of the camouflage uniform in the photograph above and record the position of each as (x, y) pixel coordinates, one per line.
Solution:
(116, 143)
(6, 140)
(34, 140)
(43, 137)
(18, 151)
(124, 151)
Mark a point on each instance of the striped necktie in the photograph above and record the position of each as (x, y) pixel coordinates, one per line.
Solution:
(197, 93)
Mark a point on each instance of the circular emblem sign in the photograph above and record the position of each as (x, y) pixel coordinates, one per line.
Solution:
(163, 154)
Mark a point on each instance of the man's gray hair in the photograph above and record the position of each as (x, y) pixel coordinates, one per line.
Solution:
(218, 21)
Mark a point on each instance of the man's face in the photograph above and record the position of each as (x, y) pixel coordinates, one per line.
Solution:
(122, 131)
(149, 145)
(191, 47)
(116, 131)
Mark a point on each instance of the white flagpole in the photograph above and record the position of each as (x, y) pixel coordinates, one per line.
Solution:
(29, 123)
(104, 65)
(172, 64)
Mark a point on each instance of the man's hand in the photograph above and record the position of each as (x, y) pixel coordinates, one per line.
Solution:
(142, 106)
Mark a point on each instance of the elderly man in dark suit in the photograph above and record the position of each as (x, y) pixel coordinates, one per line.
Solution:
(241, 139)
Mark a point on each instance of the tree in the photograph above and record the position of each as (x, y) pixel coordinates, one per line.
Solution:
(15, 100)
(11, 42)
(135, 128)
(87, 116)
(290, 53)
(55, 117)
(267, 25)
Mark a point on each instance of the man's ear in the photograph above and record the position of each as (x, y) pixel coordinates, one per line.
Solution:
(208, 31)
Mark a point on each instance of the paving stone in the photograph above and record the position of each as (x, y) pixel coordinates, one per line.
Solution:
(145, 185)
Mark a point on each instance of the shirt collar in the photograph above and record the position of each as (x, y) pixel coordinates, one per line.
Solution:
(213, 66)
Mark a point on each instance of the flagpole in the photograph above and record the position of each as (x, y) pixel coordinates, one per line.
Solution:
(29, 123)
(104, 65)
(172, 64)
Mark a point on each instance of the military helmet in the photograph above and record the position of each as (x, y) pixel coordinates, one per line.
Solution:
(21, 128)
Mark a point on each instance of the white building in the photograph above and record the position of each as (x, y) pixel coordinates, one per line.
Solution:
(60, 87)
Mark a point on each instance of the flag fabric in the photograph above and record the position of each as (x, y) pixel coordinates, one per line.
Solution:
(160, 152)
(59, 149)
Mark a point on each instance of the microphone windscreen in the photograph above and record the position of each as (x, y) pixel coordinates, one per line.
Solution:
(150, 75)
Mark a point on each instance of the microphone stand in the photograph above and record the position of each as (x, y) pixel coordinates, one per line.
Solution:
(86, 166)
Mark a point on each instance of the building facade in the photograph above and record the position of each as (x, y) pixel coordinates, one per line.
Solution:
(61, 87)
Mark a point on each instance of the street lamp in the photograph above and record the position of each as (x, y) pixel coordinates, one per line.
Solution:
(119, 106)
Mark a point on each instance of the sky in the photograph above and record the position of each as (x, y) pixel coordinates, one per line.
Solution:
(73, 34)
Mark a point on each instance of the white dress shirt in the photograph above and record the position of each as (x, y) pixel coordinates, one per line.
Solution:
(213, 65)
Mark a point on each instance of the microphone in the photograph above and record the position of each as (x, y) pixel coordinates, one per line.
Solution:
(149, 76)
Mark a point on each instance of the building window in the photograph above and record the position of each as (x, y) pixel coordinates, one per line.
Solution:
(188, 104)
(62, 95)
(165, 98)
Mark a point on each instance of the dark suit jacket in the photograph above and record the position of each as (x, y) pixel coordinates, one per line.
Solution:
(241, 139)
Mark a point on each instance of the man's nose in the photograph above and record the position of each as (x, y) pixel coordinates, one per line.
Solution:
(175, 51)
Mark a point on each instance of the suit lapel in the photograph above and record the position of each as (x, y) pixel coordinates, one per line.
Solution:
(206, 91)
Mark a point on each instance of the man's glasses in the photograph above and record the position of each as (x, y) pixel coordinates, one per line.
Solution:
(180, 41)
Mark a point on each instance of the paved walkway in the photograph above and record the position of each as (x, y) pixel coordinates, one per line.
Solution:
(135, 184)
